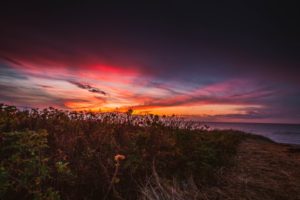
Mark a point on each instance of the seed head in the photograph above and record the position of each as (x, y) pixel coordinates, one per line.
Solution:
(119, 157)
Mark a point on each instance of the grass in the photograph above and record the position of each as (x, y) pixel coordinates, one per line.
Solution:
(54, 154)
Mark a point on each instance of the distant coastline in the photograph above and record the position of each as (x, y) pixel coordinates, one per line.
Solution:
(280, 133)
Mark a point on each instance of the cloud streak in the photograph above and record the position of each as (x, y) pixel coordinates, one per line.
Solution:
(88, 87)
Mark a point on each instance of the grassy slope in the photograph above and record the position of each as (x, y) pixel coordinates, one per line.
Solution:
(263, 170)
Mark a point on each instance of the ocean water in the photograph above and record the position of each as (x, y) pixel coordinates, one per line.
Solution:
(282, 133)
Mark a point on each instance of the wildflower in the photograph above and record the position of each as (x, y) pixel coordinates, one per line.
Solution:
(115, 179)
(119, 157)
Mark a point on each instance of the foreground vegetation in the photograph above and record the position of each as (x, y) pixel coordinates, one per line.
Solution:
(53, 154)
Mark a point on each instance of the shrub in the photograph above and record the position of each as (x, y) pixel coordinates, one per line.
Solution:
(24, 170)
(52, 154)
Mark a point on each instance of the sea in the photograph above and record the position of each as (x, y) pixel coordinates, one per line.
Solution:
(281, 133)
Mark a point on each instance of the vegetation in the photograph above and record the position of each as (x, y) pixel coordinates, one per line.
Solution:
(54, 154)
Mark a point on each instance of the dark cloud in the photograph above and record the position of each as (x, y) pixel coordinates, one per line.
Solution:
(9, 73)
(254, 97)
(34, 97)
(224, 40)
(10, 60)
(28, 96)
(44, 86)
(88, 87)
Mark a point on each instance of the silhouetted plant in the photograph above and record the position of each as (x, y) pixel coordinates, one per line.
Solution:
(49, 153)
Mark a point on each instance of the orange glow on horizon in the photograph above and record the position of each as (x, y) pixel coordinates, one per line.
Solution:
(108, 88)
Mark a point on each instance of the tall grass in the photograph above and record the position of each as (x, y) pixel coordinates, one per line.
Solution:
(54, 154)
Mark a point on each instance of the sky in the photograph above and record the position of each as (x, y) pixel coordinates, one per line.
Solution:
(232, 61)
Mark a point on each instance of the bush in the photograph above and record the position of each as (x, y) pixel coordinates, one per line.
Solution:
(24, 170)
(52, 154)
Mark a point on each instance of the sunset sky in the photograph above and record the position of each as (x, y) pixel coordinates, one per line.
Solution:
(234, 62)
